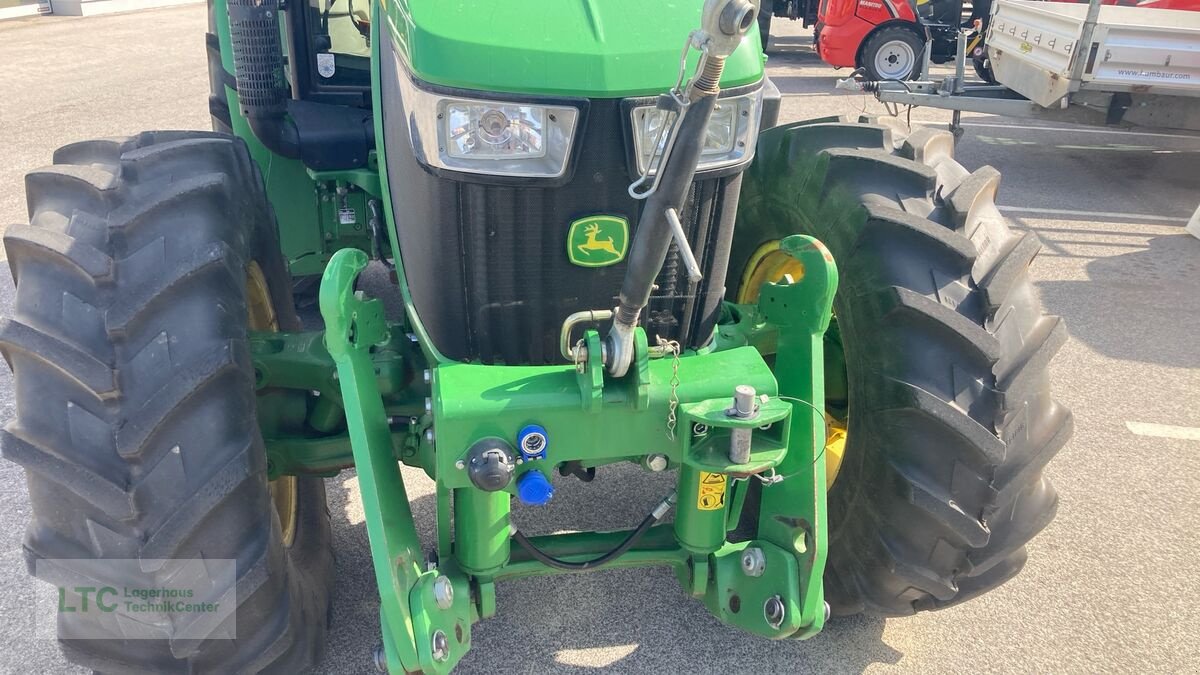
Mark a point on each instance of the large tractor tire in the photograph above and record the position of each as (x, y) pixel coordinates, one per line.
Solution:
(943, 394)
(145, 262)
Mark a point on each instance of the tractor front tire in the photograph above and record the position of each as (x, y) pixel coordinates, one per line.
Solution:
(950, 417)
(135, 397)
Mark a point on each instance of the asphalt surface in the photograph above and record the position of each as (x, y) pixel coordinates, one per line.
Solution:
(1111, 584)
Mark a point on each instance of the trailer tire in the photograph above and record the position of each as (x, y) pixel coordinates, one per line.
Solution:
(135, 397)
(950, 416)
(983, 69)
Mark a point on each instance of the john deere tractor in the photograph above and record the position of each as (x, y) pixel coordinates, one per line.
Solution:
(608, 251)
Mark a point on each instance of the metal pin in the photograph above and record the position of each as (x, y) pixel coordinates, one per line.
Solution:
(685, 249)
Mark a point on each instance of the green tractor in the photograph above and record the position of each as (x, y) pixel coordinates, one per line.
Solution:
(608, 251)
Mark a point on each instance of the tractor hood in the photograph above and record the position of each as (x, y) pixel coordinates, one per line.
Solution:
(592, 48)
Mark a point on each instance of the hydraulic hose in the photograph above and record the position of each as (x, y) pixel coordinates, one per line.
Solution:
(722, 24)
(652, 239)
(541, 556)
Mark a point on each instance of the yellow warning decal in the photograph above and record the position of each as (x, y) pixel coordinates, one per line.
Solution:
(711, 495)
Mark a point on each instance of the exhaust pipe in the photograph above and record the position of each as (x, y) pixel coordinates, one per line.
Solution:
(258, 68)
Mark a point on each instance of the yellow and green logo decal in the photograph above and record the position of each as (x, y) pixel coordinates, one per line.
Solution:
(598, 241)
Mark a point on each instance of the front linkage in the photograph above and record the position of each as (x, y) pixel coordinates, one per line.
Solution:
(367, 371)
(721, 416)
(769, 584)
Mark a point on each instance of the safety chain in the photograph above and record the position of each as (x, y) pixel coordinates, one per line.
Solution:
(672, 347)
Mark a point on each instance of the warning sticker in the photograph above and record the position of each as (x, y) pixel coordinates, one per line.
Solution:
(711, 495)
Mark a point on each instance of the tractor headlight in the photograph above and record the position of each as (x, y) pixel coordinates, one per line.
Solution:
(498, 138)
(732, 130)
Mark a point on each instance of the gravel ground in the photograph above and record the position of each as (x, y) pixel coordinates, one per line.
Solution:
(1111, 585)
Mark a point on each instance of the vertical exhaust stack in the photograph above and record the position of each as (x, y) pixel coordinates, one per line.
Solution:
(722, 26)
(258, 68)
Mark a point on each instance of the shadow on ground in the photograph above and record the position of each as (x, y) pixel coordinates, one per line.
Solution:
(1111, 311)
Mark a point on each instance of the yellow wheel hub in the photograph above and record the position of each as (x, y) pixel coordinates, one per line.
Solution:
(769, 265)
(835, 448)
(262, 317)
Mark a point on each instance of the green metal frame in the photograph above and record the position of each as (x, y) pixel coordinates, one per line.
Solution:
(364, 368)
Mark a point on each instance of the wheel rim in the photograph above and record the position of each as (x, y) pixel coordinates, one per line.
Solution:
(261, 317)
(769, 264)
(895, 59)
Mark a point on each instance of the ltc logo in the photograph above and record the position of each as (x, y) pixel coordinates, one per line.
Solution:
(598, 241)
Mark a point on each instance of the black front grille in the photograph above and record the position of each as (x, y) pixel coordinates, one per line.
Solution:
(487, 264)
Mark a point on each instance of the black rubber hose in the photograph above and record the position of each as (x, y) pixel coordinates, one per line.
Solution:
(652, 238)
(547, 559)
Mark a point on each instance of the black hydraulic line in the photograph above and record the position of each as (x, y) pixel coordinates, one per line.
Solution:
(547, 559)
(652, 238)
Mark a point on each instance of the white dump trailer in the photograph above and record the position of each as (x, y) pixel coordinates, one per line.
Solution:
(1117, 65)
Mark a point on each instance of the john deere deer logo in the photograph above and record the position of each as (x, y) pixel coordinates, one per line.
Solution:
(597, 241)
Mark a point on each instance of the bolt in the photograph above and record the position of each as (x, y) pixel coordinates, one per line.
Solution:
(739, 445)
(315, 392)
(443, 592)
(827, 611)
(743, 400)
(429, 434)
(428, 404)
(440, 646)
(656, 462)
(380, 658)
(412, 337)
(774, 611)
(754, 562)
(428, 376)
(460, 465)
(699, 429)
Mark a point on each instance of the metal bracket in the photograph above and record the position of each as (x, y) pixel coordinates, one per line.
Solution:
(792, 515)
(589, 368)
(354, 325)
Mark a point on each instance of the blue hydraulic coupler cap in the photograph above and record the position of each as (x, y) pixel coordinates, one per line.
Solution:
(533, 441)
(534, 488)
